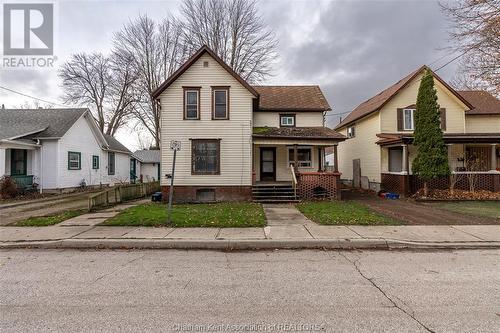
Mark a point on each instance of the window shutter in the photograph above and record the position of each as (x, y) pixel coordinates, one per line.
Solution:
(442, 112)
(400, 120)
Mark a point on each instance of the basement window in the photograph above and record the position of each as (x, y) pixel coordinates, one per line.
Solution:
(205, 195)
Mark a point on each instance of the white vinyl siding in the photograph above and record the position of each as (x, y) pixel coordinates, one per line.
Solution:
(235, 134)
(363, 146)
(302, 119)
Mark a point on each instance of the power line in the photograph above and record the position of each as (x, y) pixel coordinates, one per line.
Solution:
(29, 96)
(337, 114)
(452, 60)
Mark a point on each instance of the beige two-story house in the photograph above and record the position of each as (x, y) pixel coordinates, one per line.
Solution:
(242, 142)
(378, 152)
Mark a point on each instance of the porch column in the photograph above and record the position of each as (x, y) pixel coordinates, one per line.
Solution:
(320, 160)
(405, 159)
(493, 157)
(295, 158)
(335, 159)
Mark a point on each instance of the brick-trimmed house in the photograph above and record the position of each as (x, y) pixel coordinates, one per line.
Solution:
(378, 151)
(242, 142)
(56, 150)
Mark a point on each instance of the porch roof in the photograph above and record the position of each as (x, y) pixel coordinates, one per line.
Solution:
(386, 139)
(304, 133)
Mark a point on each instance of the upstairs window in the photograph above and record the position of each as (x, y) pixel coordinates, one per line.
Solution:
(191, 103)
(74, 160)
(205, 157)
(351, 132)
(220, 103)
(287, 120)
(408, 119)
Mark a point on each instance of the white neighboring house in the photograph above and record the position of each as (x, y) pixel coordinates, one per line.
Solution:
(145, 165)
(59, 149)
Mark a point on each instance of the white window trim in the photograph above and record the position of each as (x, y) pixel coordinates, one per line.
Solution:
(292, 118)
(351, 131)
(412, 119)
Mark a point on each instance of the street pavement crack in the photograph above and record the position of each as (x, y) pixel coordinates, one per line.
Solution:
(118, 269)
(372, 282)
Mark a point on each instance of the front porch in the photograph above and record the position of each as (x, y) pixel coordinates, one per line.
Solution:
(293, 164)
(474, 162)
(20, 163)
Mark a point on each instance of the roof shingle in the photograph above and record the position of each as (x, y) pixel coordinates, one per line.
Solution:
(39, 123)
(291, 98)
(297, 132)
(378, 101)
(483, 102)
(148, 155)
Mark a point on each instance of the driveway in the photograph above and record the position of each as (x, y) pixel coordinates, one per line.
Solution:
(415, 213)
(165, 291)
(11, 214)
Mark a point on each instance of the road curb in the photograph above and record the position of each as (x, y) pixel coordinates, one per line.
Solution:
(235, 245)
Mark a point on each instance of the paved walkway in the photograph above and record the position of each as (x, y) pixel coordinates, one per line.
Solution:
(287, 228)
(277, 236)
(284, 215)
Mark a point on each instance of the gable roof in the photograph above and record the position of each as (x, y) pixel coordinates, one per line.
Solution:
(148, 155)
(115, 145)
(37, 123)
(483, 102)
(378, 101)
(204, 49)
(291, 98)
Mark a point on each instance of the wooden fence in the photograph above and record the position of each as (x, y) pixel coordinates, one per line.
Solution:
(118, 194)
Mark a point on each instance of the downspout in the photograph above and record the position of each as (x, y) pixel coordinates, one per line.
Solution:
(41, 165)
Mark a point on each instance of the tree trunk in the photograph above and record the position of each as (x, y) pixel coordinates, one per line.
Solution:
(426, 189)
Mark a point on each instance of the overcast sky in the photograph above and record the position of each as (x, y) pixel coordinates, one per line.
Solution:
(352, 49)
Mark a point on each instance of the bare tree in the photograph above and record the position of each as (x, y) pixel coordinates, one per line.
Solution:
(121, 97)
(104, 84)
(85, 79)
(234, 30)
(476, 31)
(34, 104)
(155, 52)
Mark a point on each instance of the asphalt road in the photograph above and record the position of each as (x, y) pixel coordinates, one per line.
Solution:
(133, 291)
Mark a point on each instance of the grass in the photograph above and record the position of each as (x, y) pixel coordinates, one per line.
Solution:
(226, 214)
(343, 213)
(477, 208)
(41, 221)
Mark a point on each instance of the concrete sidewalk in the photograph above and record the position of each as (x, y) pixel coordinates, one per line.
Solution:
(290, 236)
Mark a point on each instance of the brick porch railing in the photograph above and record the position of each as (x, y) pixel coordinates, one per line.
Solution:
(318, 185)
(407, 185)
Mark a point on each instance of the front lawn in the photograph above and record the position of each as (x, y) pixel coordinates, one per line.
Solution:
(478, 208)
(224, 214)
(42, 221)
(343, 213)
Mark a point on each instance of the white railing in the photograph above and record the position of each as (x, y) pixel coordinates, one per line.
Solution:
(294, 180)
